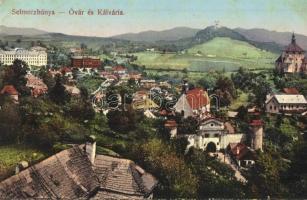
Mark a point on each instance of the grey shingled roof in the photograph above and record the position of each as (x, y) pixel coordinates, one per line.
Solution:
(70, 175)
(67, 174)
(122, 178)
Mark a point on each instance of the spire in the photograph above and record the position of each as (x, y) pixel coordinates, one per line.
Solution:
(293, 41)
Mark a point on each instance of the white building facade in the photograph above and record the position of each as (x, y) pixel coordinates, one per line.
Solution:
(212, 131)
(32, 58)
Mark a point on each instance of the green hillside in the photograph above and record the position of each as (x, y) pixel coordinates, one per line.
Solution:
(217, 54)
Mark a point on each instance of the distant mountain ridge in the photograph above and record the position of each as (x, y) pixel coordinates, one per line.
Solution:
(263, 35)
(180, 37)
(5, 30)
(166, 35)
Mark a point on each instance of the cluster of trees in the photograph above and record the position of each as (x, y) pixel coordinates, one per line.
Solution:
(254, 83)
(193, 175)
(43, 121)
(220, 85)
(296, 81)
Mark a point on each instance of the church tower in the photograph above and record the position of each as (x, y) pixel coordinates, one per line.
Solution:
(292, 59)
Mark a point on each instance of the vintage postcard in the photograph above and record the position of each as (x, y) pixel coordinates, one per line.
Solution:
(153, 99)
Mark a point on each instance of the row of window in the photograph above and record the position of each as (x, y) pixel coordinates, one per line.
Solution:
(285, 107)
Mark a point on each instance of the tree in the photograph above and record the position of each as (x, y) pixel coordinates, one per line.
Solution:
(122, 121)
(58, 93)
(9, 123)
(84, 94)
(209, 81)
(175, 178)
(297, 173)
(32, 43)
(83, 46)
(44, 124)
(265, 175)
(243, 79)
(243, 114)
(80, 108)
(188, 125)
(225, 90)
(15, 75)
(260, 90)
(47, 79)
(216, 179)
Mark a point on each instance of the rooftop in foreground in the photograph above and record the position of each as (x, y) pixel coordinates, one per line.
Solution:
(70, 174)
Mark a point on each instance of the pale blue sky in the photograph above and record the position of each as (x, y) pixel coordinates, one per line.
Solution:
(141, 15)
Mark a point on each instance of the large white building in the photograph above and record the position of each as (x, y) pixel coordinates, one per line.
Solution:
(32, 57)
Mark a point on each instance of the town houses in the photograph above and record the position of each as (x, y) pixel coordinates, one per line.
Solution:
(137, 114)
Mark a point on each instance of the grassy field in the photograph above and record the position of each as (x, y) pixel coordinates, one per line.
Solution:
(11, 155)
(217, 54)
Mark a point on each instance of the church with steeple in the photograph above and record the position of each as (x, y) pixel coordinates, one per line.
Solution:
(292, 59)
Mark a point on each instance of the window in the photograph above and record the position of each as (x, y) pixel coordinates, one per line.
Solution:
(206, 135)
(216, 135)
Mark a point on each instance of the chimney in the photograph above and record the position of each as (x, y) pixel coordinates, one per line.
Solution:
(90, 148)
(185, 87)
(237, 151)
(21, 166)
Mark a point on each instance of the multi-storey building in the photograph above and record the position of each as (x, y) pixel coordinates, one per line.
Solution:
(85, 62)
(32, 58)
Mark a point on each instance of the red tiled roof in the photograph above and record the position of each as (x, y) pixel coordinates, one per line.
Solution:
(65, 70)
(118, 68)
(239, 150)
(290, 91)
(170, 123)
(256, 122)
(197, 98)
(9, 89)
